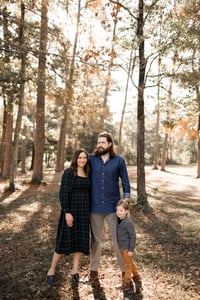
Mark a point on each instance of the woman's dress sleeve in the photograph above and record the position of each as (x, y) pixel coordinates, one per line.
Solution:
(66, 190)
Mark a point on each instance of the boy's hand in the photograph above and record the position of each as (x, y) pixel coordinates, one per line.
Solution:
(130, 253)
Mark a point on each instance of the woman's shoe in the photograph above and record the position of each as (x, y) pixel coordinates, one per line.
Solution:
(75, 277)
(51, 280)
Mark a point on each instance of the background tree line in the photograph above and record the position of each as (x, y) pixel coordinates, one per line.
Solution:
(62, 62)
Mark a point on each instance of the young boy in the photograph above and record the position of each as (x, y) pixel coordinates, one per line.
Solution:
(126, 239)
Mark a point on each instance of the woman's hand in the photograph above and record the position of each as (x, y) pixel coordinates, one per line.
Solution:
(69, 219)
(130, 253)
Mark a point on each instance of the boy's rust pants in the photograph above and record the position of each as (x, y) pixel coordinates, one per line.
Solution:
(130, 267)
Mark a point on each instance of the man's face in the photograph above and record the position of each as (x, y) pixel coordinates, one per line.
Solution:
(103, 146)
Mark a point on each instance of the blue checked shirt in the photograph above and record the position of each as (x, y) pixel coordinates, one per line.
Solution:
(105, 183)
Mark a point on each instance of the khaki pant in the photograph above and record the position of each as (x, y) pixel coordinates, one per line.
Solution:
(97, 227)
(130, 267)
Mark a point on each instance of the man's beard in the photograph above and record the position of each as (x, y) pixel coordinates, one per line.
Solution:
(102, 151)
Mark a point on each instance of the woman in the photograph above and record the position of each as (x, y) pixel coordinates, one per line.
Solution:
(73, 227)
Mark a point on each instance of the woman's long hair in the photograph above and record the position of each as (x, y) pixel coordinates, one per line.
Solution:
(74, 165)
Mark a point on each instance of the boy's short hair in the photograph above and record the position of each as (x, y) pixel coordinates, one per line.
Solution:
(125, 203)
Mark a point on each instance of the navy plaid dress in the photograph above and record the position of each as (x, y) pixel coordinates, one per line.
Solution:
(74, 199)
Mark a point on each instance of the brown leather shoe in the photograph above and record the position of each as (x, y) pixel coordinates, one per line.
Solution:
(93, 276)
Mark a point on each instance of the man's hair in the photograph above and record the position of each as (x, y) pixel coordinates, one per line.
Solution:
(109, 140)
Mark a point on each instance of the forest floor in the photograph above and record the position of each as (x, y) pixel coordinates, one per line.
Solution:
(167, 252)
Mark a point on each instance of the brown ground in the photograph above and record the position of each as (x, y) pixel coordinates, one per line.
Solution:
(167, 251)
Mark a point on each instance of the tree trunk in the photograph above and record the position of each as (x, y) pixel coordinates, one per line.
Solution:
(68, 100)
(125, 101)
(141, 187)
(14, 161)
(156, 145)
(61, 145)
(6, 140)
(164, 153)
(23, 156)
(169, 126)
(198, 153)
(40, 106)
(198, 150)
(112, 56)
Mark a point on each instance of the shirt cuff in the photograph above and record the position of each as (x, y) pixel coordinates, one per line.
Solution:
(127, 195)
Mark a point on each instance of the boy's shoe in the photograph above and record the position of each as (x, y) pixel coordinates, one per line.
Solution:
(75, 277)
(138, 286)
(124, 286)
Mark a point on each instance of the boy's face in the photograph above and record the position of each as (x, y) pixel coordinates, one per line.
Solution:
(121, 212)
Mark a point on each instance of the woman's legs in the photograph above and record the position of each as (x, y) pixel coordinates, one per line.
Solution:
(54, 262)
(76, 259)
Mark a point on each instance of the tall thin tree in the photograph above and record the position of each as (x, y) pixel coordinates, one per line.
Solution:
(6, 140)
(112, 56)
(40, 106)
(15, 146)
(68, 98)
(130, 67)
(198, 128)
(141, 186)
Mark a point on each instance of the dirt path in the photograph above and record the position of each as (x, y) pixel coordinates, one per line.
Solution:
(167, 251)
(177, 180)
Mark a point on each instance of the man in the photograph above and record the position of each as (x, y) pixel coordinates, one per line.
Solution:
(106, 169)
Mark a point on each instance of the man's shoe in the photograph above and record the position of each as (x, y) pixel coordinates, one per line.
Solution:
(93, 276)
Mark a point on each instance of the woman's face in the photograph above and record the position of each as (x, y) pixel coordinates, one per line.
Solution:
(82, 160)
